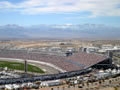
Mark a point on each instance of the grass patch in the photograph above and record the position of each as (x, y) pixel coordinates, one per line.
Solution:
(20, 66)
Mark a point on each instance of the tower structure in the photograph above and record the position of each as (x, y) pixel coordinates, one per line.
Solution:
(110, 55)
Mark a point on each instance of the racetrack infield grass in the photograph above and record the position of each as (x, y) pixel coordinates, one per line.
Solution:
(20, 66)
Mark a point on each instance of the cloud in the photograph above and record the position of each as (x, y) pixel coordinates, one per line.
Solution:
(96, 7)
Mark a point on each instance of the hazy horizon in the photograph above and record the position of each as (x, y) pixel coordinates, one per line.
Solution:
(65, 31)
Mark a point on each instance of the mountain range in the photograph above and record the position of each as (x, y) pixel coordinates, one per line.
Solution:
(89, 31)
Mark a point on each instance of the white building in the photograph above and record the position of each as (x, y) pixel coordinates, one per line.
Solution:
(107, 46)
(51, 83)
(92, 49)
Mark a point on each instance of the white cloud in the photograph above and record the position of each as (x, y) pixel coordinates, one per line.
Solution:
(96, 7)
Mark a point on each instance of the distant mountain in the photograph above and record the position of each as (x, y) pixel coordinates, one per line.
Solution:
(12, 31)
(92, 31)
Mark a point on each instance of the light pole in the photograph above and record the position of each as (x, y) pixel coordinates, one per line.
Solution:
(25, 62)
(25, 66)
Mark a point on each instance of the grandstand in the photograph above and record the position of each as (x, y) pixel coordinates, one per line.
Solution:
(77, 61)
(75, 64)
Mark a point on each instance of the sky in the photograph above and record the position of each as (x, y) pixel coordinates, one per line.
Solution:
(35, 12)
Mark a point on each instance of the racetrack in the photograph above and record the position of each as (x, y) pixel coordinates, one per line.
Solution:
(46, 67)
